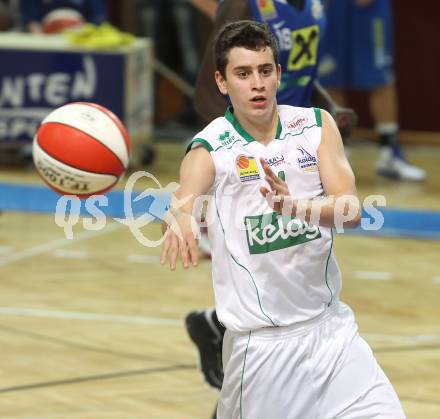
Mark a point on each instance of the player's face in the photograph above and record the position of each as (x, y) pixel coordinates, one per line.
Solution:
(252, 79)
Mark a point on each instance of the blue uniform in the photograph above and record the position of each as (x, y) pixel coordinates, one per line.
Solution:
(93, 11)
(299, 34)
(357, 50)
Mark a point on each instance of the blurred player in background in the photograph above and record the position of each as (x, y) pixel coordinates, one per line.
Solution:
(9, 15)
(298, 26)
(208, 7)
(358, 54)
(291, 349)
(5, 16)
(53, 16)
(177, 46)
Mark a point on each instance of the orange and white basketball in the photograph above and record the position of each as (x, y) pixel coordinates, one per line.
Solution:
(81, 149)
(61, 19)
(242, 161)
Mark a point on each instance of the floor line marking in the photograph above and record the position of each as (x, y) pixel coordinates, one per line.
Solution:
(148, 259)
(373, 275)
(5, 250)
(56, 244)
(419, 400)
(401, 338)
(108, 376)
(160, 321)
(71, 254)
(84, 316)
(79, 345)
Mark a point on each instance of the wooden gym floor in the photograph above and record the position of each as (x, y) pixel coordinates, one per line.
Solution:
(93, 327)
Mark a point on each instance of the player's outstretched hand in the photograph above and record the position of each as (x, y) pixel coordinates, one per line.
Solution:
(279, 196)
(180, 238)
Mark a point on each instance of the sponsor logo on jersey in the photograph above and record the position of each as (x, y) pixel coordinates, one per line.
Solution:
(275, 161)
(267, 9)
(297, 123)
(226, 138)
(269, 232)
(306, 162)
(247, 168)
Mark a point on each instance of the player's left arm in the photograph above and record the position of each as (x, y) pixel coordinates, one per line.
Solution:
(340, 206)
(337, 177)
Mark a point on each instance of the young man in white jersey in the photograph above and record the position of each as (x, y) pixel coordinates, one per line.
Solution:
(291, 349)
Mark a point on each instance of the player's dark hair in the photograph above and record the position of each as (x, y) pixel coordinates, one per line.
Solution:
(243, 33)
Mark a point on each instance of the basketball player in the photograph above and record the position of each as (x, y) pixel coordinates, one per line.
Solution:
(298, 26)
(357, 54)
(291, 349)
(5, 15)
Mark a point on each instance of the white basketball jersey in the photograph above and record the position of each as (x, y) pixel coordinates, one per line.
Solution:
(268, 270)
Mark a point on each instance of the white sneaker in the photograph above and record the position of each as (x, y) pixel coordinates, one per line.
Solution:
(394, 166)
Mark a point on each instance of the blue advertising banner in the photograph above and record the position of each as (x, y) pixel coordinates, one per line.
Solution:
(33, 83)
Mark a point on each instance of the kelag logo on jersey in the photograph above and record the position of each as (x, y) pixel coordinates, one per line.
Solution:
(306, 162)
(269, 232)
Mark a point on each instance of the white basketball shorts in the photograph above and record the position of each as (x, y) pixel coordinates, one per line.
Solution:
(321, 369)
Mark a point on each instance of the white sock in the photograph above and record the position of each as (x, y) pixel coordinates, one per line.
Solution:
(387, 128)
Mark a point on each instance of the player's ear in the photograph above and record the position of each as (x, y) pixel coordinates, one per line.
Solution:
(221, 83)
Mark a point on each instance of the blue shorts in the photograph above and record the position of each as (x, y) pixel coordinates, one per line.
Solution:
(357, 49)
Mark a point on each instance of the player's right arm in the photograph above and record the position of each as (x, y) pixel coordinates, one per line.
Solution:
(197, 174)
(340, 207)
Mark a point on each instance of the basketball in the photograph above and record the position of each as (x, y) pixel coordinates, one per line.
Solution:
(242, 161)
(81, 149)
(61, 19)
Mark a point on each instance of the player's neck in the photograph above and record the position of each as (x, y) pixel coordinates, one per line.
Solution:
(262, 129)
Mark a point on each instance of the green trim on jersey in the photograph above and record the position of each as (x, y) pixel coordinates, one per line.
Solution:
(326, 270)
(279, 128)
(203, 142)
(298, 133)
(256, 288)
(229, 115)
(318, 116)
(242, 375)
